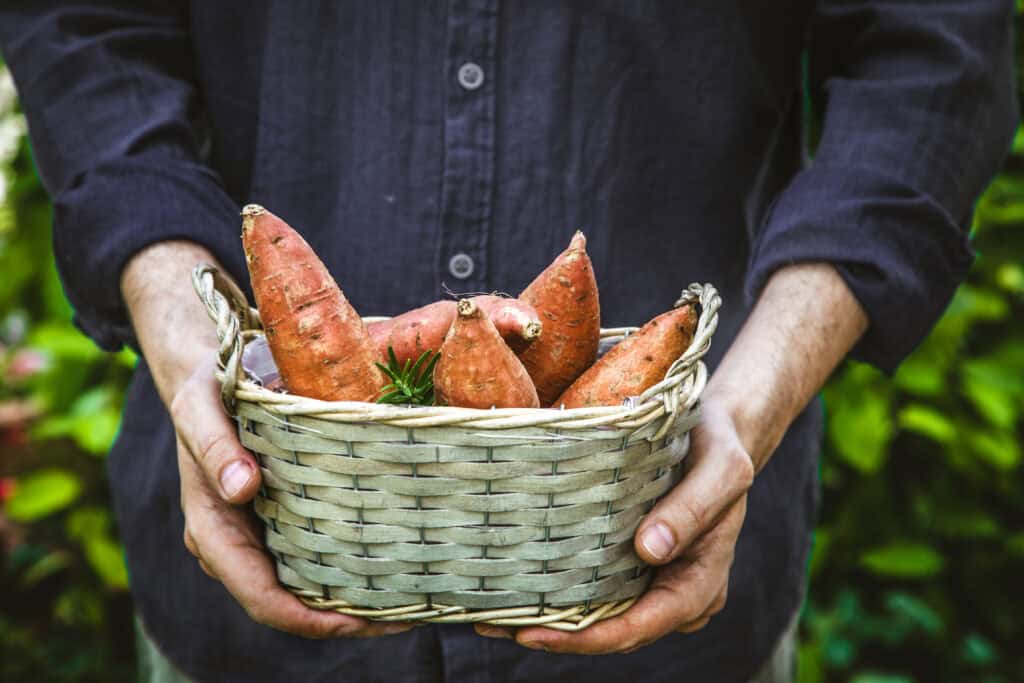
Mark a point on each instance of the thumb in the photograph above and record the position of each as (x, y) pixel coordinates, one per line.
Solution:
(212, 440)
(720, 471)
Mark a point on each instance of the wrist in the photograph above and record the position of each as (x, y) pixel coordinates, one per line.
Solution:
(760, 419)
(174, 332)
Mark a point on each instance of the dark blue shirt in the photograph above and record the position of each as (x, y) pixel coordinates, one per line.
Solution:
(457, 145)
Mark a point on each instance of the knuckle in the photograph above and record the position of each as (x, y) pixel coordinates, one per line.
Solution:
(258, 613)
(741, 468)
(212, 448)
(693, 513)
(180, 404)
(190, 542)
(629, 644)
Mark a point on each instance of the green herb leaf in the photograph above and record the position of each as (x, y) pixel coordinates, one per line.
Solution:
(411, 383)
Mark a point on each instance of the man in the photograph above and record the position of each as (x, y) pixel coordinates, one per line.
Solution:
(459, 143)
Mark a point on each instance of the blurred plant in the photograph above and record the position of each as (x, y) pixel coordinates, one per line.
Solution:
(65, 608)
(921, 541)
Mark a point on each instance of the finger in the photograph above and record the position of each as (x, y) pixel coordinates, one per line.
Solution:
(190, 544)
(237, 557)
(489, 631)
(211, 439)
(674, 597)
(681, 592)
(694, 625)
(206, 569)
(716, 606)
(720, 472)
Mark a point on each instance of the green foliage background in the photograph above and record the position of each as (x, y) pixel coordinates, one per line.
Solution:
(918, 556)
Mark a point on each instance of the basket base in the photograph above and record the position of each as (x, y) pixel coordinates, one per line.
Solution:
(575, 618)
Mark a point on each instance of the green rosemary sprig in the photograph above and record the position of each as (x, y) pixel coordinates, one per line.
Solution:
(412, 383)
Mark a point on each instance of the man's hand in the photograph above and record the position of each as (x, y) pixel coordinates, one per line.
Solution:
(692, 531)
(217, 474)
(804, 323)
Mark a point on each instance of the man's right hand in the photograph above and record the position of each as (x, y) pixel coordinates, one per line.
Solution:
(218, 475)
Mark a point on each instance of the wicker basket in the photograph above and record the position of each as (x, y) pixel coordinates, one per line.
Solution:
(510, 516)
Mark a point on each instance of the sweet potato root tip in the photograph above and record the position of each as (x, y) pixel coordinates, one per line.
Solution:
(477, 369)
(636, 363)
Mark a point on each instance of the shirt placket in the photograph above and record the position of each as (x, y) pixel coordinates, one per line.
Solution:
(469, 87)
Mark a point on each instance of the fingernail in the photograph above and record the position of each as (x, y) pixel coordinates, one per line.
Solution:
(493, 632)
(658, 541)
(534, 645)
(233, 477)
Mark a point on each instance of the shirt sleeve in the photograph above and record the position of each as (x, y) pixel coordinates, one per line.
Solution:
(108, 90)
(919, 112)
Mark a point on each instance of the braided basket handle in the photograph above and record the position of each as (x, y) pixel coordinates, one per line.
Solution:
(684, 381)
(228, 308)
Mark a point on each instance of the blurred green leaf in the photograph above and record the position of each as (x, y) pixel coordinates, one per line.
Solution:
(1010, 276)
(819, 553)
(978, 650)
(975, 303)
(992, 400)
(860, 425)
(924, 420)
(924, 372)
(998, 448)
(77, 606)
(46, 566)
(1015, 544)
(87, 522)
(960, 523)
(42, 493)
(876, 677)
(107, 558)
(839, 652)
(90, 526)
(903, 560)
(809, 666)
(63, 340)
(96, 433)
(914, 610)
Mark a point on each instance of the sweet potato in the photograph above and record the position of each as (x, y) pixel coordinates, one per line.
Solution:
(320, 344)
(635, 363)
(477, 369)
(565, 296)
(423, 329)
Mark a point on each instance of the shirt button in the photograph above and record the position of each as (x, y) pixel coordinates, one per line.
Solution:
(461, 266)
(471, 76)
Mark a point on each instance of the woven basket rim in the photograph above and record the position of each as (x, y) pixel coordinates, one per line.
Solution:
(237, 321)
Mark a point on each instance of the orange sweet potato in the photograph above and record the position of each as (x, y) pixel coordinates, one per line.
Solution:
(565, 296)
(319, 342)
(423, 329)
(635, 363)
(477, 369)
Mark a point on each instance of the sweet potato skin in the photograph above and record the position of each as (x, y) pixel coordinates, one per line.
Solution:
(566, 298)
(634, 364)
(424, 329)
(477, 369)
(319, 342)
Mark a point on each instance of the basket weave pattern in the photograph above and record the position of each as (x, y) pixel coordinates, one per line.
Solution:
(503, 516)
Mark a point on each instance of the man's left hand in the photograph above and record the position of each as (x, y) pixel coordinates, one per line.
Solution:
(692, 532)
